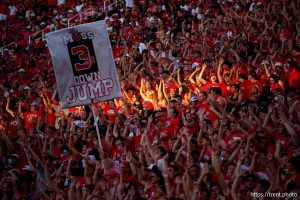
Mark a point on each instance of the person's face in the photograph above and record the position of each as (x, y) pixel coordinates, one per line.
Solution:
(186, 68)
(172, 93)
(202, 97)
(250, 182)
(134, 99)
(130, 92)
(84, 148)
(85, 190)
(234, 127)
(173, 104)
(148, 85)
(179, 101)
(250, 78)
(166, 64)
(213, 79)
(230, 170)
(95, 141)
(32, 108)
(163, 75)
(272, 81)
(159, 113)
(153, 178)
(194, 104)
(234, 89)
(119, 144)
(38, 99)
(188, 116)
(171, 172)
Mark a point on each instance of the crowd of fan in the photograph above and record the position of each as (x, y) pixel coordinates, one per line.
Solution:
(210, 106)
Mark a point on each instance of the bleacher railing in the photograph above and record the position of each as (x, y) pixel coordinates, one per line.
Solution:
(8, 45)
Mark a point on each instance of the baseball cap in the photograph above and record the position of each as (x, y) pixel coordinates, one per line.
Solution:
(21, 70)
(279, 64)
(195, 64)
(173, 99)
(35, 104)
(194, 98)
(92, 157)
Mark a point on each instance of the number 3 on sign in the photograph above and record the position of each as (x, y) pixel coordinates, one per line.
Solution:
(84, 56)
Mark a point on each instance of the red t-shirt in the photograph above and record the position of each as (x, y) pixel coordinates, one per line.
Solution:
(117, 154)
(276, 86)
(169, 130)
(255, 83)
(226, 89)
(110, 113)
(294, 78)
(246, 89)
(30, 117)
(209, 114)
(209, 84)
(13, 127)
(51, 118)
(136, 142)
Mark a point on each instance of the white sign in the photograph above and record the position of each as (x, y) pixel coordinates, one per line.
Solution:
(83, 64)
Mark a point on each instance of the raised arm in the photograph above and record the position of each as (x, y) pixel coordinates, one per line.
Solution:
(221, 60)
(203, 81)
(191, 77)
(149, 146)
(217, 167)
(289, 127)
(107, 139)
(7, 107)
(142, 89)
(165, 92)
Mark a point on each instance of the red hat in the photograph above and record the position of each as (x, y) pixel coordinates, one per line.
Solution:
(173, 87)
(213, 74)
